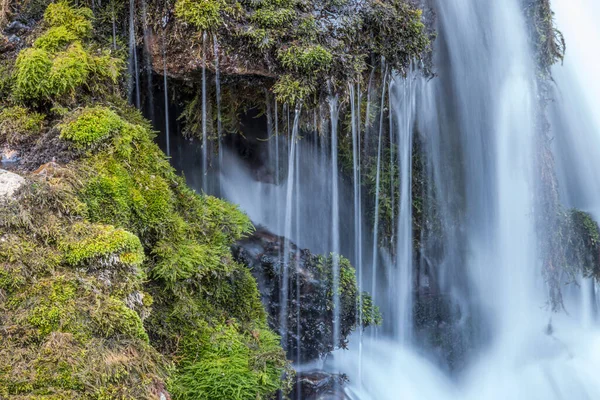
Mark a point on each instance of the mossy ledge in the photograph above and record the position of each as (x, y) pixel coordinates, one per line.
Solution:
(116, 279)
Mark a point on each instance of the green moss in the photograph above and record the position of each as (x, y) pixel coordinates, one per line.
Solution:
(70, 70)
(582, 246)
(306, 60)
(225, 363)
(179, 260)
(111, 256)
(273, 17)
(54, 307)
(55, 39)
(203, 14)
(51, 70)
(290, 90)
(114, 318)
(90, 126)
(88, 242)
(75, 20)
(6, 78)
(348, 293)
(18, 124)
(32, 70)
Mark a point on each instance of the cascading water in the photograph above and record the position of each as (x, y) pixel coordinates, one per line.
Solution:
(288, 225)
(205, 152)
(149, 95)
(218, 102)
(478, 258)
(134, 69)
(577, 127)
(477, 120)
(335, 216)
(166, 93)
(402, 101)
(374, 263)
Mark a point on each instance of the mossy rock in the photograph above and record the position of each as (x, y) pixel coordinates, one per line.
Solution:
(60, 67)
(311, 280)
(18, 124)
(90, 125)
(582, 247)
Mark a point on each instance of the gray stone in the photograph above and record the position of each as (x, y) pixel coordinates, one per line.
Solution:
(9, 183)
(16, 27)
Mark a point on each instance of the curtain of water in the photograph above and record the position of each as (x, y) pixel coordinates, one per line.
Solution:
(205, 152)
(134, 69)
(335, 218)
(166, 91)
(477, 118)
(402, 105)
(374, 262)
(218, 103)
(576, 125)
(288, 225)
(149, 100)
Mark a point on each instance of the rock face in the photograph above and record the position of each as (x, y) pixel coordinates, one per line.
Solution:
(319, 385)
(310, 301)
(9, 183)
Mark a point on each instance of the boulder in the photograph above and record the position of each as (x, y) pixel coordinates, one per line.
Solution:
(319, 385)
(309, 326)
(9, 183)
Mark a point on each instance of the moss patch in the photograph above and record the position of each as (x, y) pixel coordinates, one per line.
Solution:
(90, 125)
(114, 274)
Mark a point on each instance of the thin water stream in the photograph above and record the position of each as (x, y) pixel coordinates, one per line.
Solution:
(477, 257)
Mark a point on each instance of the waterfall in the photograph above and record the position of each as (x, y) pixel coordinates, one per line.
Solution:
(576, 128)
(335, 218)
(148, 64)
(134, 69)
(205, 152)
(402, 105)
(289, 203)
(356, 183)
(463, 297)
(374, 262)
(477, 123)
(218, 101)
(166, 90)
(297, 224)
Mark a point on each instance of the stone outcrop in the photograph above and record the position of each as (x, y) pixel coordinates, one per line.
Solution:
(9, 183)
(309, 333)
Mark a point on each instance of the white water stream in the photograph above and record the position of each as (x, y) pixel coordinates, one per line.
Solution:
(477, 119)
(476, 123)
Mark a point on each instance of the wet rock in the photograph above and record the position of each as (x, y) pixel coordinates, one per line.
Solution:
(13, 40)
(183, 58)
(319, 385)
(6, 44)
(309, 333)
(9, 183)
(16, 27)
(9, 156)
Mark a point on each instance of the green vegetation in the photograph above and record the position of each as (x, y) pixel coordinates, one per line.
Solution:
(116, 279)
(18, 124)
(348, 291)
(306, 49)
(75, 20)
(90, 126)
(582, 243)
(230, 365)
(60, 68)
(312, 59)
(203, 14)
(548, 42)
(55, 39)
